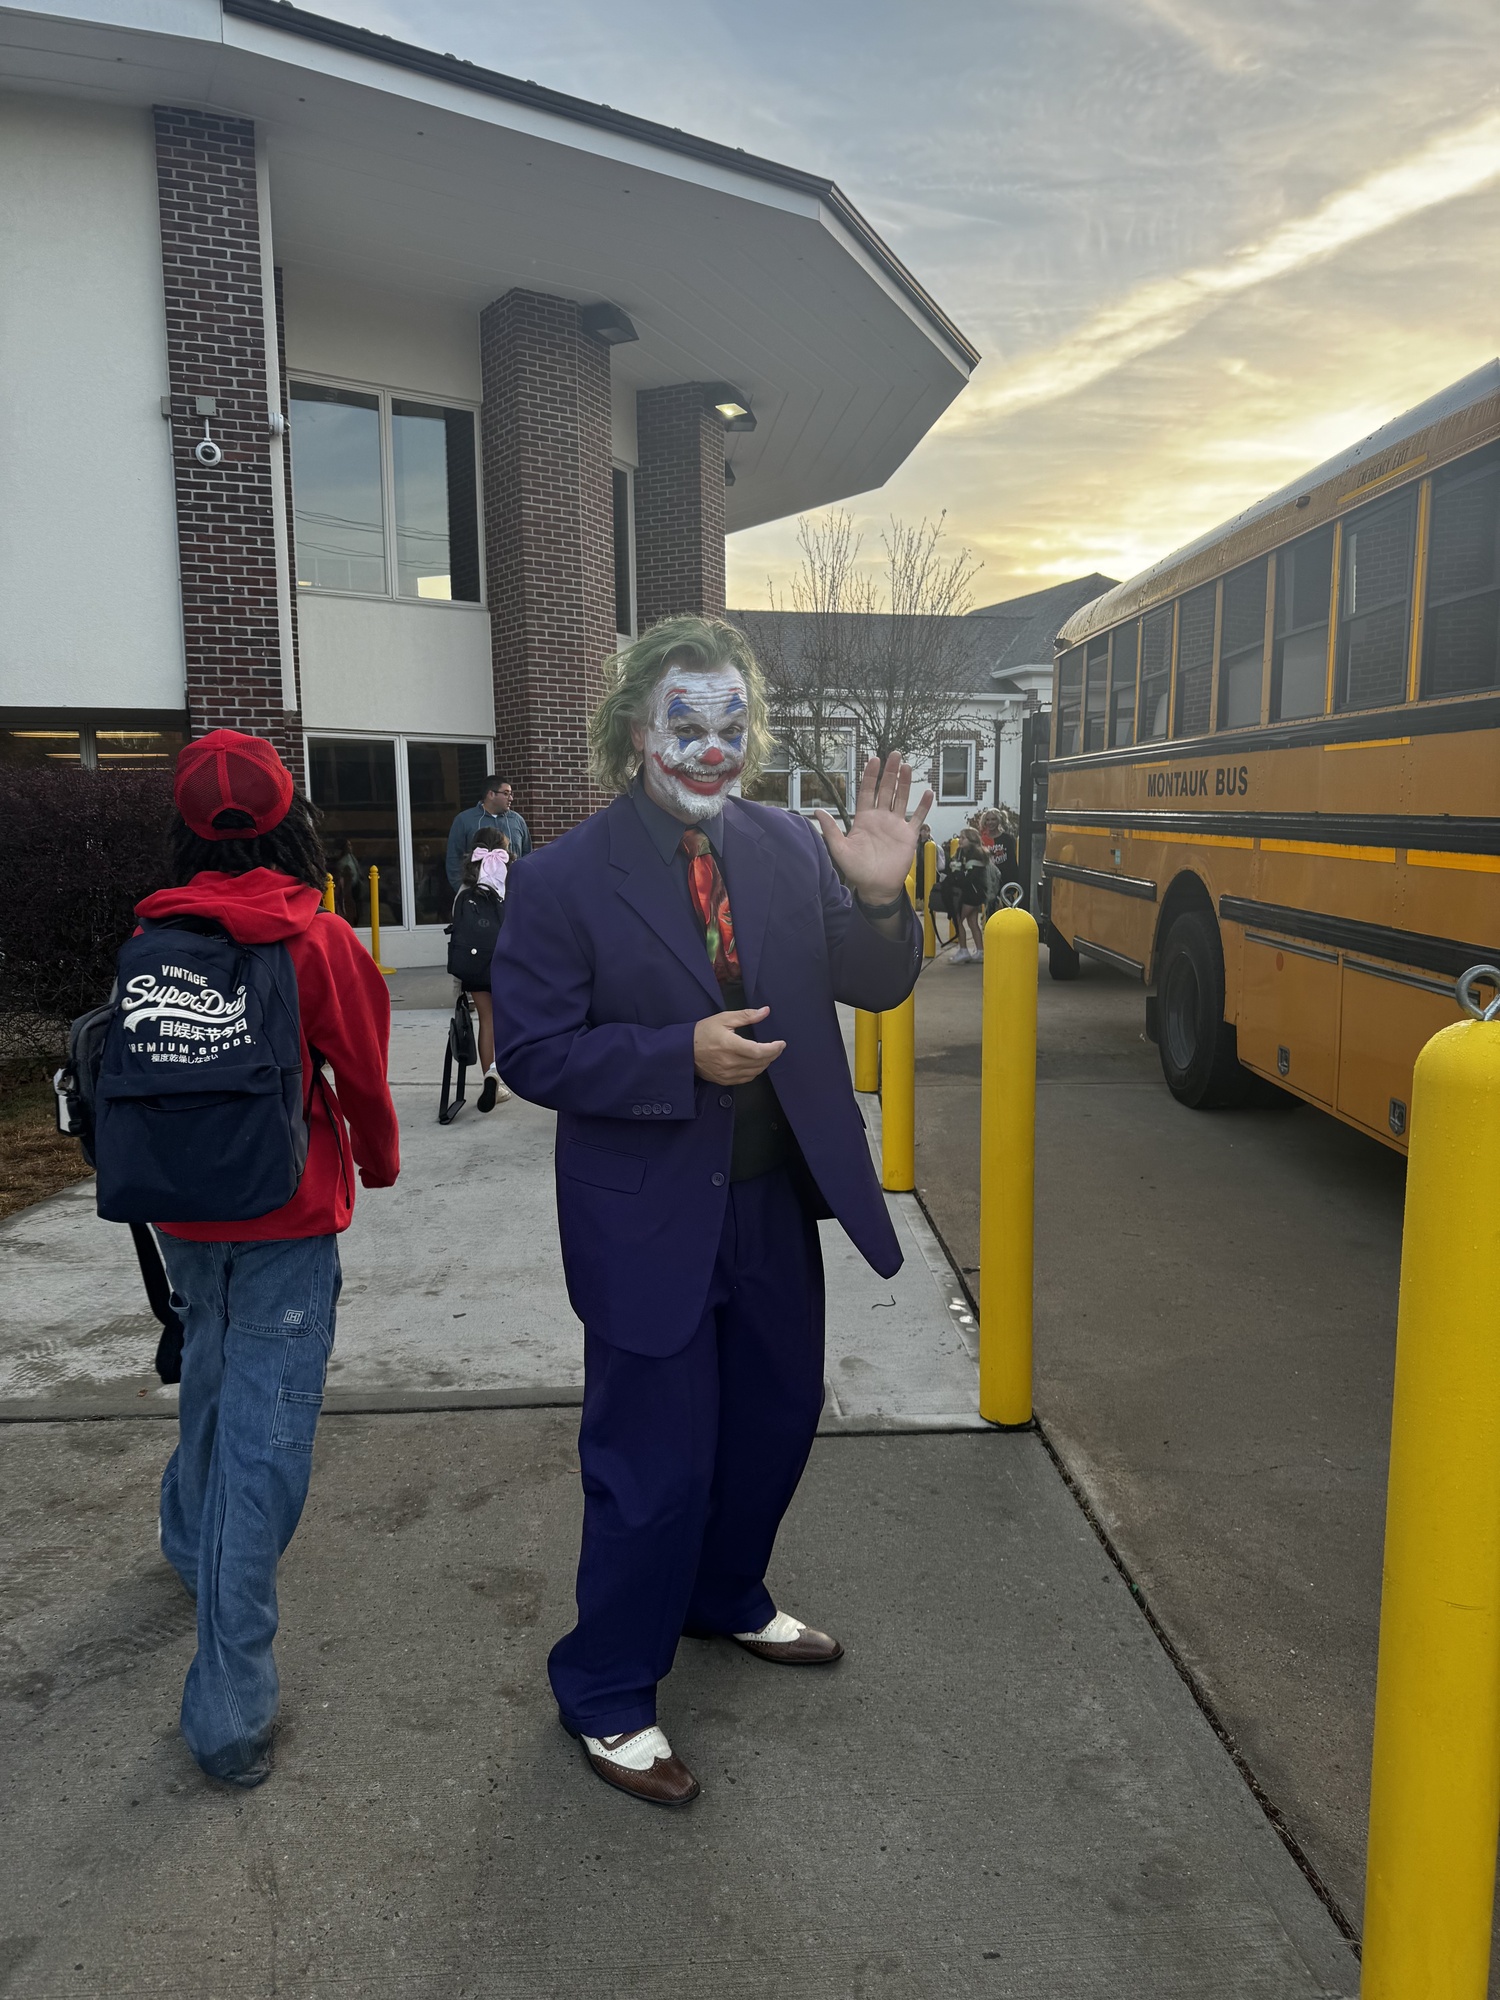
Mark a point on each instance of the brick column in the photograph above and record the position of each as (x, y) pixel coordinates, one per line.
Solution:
(216, 346)
(549, 547)
(679, 503)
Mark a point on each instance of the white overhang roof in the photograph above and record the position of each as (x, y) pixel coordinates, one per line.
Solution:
(395, 167)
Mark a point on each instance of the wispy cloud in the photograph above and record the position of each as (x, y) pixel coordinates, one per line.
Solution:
(1456, 163)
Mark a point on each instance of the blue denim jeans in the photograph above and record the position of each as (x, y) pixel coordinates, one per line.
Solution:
(258, 1324)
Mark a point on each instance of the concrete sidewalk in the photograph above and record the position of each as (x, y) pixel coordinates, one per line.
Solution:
(453, 1292)
(1005, 1790)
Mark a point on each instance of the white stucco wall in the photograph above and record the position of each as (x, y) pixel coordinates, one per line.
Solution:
(88, 533)
(390, 340)
(369, 663)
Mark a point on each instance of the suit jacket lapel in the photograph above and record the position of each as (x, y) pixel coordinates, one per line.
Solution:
(749, 876)
(654, 893)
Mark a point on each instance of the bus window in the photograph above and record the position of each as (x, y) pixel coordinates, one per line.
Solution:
(1195, 662)
(1069, 702)
(1375, 603)
(1461, 642)
(1156, 674)
(1096, 689)
(1242, 646)
(1299, 651)
(1127, 645)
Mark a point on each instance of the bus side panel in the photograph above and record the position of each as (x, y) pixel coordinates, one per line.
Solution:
(1289, 1016)
(1384, 1026)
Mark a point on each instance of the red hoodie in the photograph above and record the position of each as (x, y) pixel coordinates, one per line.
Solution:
(346, 1016)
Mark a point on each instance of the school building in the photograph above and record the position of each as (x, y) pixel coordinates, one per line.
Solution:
(363, 398)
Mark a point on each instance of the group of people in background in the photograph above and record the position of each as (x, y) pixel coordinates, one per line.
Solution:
(973, 869)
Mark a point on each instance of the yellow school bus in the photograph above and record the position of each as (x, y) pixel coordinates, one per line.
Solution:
(1273, 790)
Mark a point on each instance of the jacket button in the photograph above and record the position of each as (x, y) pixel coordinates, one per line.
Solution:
(726, 1098)
(666, 1111)
(718, 1180)
(635, 1111)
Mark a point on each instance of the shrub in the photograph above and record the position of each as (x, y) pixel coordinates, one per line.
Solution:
(80, 849)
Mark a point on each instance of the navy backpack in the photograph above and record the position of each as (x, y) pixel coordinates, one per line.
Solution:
(186, 1086)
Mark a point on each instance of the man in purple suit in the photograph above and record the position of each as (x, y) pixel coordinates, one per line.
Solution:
(666, 981)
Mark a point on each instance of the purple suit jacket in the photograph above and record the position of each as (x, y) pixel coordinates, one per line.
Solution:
(599, 977)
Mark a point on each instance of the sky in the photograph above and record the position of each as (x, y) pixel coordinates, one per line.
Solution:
(1200, 244)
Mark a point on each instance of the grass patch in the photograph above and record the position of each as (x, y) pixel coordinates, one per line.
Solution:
(35, 1159)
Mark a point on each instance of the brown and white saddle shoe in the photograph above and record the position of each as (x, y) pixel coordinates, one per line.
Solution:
(643, 1763)
(787, 1642)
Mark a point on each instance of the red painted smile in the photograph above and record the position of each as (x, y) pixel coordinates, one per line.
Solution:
(704, 787)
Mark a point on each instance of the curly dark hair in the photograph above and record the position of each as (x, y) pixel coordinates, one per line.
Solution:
(293, 848)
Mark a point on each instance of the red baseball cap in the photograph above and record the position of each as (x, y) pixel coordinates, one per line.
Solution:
(227, 775)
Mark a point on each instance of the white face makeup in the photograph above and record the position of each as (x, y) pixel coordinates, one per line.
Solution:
(694, 741)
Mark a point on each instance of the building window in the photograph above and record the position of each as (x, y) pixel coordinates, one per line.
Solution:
(955, 773)
(1299, 647)
(1375, 603)
(1195, 661)
(441, 779)
(354, 787)
(1242, 646)
(798, 787)
(1156, 674)
(624, 527)
(437, 509)
(385, 495)
(90, 748)
(1127, 646)
(389, 802)
(1461, 643)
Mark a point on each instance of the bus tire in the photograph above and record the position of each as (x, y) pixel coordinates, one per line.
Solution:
(1196, 1044)
(1062, 960)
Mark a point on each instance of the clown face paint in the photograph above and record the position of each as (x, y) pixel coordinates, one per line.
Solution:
(694, 741)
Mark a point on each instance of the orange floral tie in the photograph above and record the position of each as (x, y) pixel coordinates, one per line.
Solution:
(711, 901)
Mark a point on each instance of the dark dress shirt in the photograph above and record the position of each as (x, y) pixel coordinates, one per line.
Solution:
(762, 1137)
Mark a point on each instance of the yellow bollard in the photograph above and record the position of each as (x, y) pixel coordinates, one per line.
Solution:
(929, 882)
(1435, 1781)
(1007, 1166)
(866, 1050)
(327, 892)
(375, 922)
(898, 1086)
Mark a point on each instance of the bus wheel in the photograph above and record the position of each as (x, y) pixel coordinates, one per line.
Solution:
(1062, 960)
(1195, 1042)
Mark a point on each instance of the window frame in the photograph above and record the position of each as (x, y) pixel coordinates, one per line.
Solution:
(405, 850)
(969, 744)
(619, 465)
(1482, 463)
(1407, 495)
(392, 594)
(1244, 653)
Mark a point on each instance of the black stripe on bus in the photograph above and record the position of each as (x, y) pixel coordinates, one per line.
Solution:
(1117, 959)
(1449, 834)
(1425, 718)
(1431, 954)
(1099, 878)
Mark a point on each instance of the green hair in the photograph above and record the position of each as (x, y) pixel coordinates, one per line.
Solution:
(630, 679)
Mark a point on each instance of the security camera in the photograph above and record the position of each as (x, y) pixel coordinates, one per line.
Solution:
(206, 451)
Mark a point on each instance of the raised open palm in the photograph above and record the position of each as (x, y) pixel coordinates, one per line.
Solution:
(876, 853)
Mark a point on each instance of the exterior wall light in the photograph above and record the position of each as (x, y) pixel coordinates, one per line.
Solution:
(728, 473)
(606, 322)
(731, 406)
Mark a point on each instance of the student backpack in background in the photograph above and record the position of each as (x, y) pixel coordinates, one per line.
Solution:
(186, 1087)
(477, 916)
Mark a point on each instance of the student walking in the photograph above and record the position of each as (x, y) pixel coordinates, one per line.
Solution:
(973, 880)
(478, 913)
(258, 1296)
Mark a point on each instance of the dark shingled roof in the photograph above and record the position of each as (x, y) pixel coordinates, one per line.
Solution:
(1026, 627)
(1017, 633)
